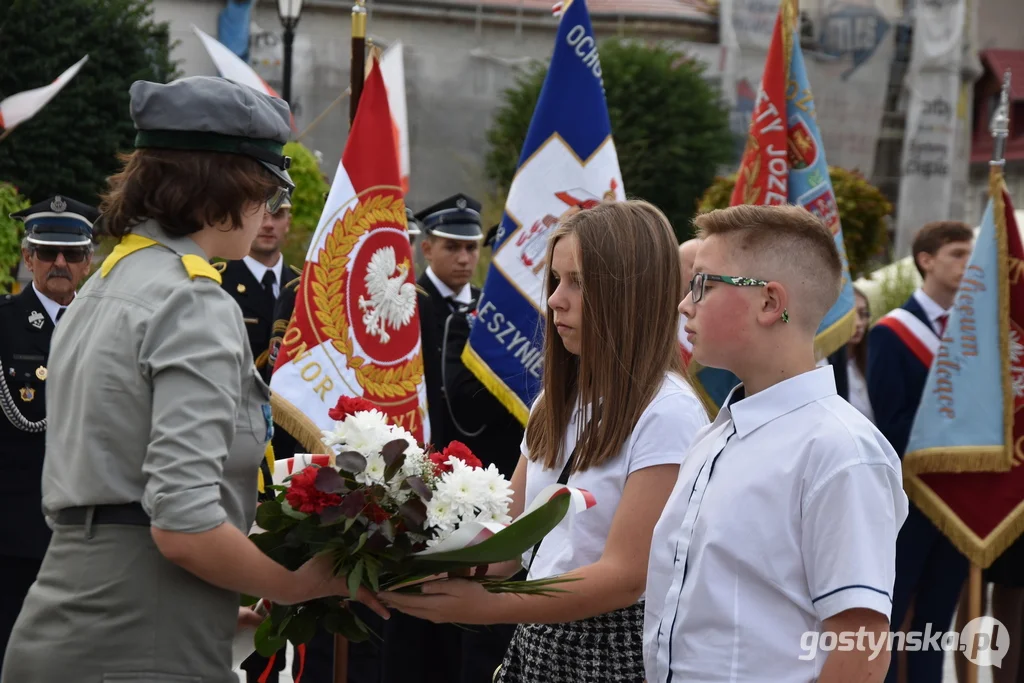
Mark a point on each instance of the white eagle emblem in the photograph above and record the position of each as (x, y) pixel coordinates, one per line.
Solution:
(392, 300)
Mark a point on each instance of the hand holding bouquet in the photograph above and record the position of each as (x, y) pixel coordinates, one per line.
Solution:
(390, 515)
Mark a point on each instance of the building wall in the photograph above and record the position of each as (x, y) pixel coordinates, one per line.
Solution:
(457, 64)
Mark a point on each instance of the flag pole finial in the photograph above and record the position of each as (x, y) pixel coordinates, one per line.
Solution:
(1001, 123)
(358, 57)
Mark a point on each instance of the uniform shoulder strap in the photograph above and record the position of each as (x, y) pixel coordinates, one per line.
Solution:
(197, 266)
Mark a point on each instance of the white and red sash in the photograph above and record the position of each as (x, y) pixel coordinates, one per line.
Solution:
(920, 338)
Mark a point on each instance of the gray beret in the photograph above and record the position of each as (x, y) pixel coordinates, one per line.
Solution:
(212, 114)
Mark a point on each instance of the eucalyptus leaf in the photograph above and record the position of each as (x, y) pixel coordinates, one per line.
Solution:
(350, 461)
(329, 481)
(287, 509)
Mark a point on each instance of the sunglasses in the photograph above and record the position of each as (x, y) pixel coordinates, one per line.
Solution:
(71, 254)
(277, 198)
(700, 279)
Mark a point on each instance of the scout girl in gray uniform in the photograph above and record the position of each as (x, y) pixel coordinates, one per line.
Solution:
(158, 418)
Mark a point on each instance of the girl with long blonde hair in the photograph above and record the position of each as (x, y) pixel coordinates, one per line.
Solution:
(615, 417)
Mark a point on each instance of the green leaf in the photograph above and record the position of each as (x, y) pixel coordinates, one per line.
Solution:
(355, 578)
(301, 628)
(270, 516)
(507, 544)
(267, 642)
(288, 510)
(373, 574)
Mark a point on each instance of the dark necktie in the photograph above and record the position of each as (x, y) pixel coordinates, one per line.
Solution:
(940, 322)
(60, 313)
(268, 283)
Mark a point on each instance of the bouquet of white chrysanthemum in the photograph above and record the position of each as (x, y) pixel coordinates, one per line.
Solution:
(392, 515)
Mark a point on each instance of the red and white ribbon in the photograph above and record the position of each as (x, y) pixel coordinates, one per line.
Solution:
(471, 533)
(289, 466)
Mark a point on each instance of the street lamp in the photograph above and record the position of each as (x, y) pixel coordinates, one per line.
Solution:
(289, 11)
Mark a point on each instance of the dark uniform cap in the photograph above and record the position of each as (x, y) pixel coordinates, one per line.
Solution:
(213, 114)
(414, 225)
(457, 218)
(58, 221)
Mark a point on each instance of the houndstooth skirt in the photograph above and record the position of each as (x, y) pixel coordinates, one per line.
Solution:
(604, 649)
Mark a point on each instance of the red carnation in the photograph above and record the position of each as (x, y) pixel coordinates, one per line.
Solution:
(349, 405)
(455, 449)
(303, 495)
(377, 513)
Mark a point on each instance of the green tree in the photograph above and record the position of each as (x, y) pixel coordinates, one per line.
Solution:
(863, 211)
(670, 127)
(71, 146)
(10, 234)
(308, 201)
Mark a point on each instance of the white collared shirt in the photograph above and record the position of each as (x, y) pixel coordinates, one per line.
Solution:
(258, 270)
(931, 309)
(51, 306)
(785, 513)
(464, 296)
(662, 435)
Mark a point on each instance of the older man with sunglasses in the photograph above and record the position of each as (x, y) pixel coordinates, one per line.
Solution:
(57, 249)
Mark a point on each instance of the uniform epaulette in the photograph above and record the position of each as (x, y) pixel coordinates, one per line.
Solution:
(6, 299)
(197, 266)
(292, 284)
(295, 269)
(220, 266)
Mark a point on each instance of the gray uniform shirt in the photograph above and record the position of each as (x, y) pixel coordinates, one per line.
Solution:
(153, 396)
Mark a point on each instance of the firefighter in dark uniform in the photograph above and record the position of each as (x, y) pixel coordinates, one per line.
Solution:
(460, 409)
(256, 281)
(57, 249)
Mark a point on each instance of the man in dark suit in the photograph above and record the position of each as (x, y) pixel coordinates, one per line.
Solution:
(929, 569)
(57, 249)
(460, 409)
(255, 281)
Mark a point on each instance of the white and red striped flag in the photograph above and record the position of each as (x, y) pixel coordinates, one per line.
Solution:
(355, 330)
(22, 106)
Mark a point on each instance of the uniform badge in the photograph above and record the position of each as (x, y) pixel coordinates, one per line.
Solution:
(58, 205)
(240, 289)
(35, 319)
(27, 394)
(268, 419)
(41, 373)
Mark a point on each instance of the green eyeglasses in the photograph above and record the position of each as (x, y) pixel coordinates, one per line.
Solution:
(699, 279)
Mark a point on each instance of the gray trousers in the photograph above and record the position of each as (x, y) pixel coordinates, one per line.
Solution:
(108, 607)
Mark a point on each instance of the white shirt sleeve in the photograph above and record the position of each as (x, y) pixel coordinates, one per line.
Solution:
(848, 541)
(665, 431)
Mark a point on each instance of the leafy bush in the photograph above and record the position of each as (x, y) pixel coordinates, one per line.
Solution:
(10, 234)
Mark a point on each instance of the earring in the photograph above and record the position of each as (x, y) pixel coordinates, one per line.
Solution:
(785, 315)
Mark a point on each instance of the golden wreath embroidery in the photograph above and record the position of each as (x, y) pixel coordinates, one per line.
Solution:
(329, 296)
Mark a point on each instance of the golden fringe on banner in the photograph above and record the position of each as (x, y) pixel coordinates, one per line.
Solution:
(980, 551)
(493, 383)
(295, 422)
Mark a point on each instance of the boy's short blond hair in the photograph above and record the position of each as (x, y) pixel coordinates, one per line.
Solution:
(784, 243)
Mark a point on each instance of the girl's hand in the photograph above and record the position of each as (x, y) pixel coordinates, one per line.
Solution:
(452, 601)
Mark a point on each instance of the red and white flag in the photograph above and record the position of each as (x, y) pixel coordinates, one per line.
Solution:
(392, 68)
(22, 106)
(355, 330)
(232, 67)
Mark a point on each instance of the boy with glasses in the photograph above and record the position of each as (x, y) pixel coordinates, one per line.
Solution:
(783, 521)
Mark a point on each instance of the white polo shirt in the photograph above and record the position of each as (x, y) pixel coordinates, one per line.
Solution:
(785, 513)
(662, 435)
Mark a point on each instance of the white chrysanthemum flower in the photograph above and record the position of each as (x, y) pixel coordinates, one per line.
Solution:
(373, 475)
